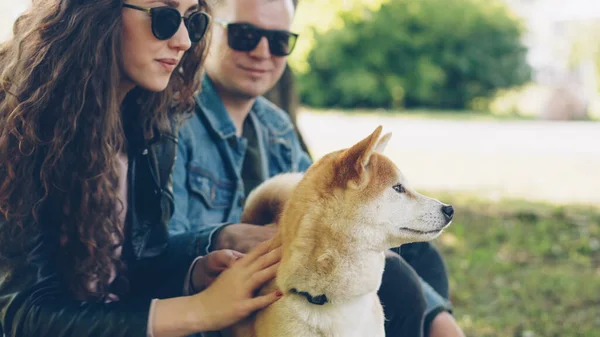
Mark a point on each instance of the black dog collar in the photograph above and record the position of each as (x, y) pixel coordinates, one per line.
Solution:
(318, 300)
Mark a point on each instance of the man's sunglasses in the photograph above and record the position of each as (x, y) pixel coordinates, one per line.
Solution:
(167, 20)
(245, 37)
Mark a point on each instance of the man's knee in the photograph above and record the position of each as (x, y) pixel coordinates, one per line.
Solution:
(444, 325)
(428, 262)
(401, 293)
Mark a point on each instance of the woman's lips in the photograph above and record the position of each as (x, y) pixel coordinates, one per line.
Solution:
(168, 64)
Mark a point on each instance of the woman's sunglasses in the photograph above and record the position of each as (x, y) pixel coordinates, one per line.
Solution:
(245, 37)
(166, 22)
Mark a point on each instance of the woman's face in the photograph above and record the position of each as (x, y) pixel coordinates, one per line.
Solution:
(147, 61)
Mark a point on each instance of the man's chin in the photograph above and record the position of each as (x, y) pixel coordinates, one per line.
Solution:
(253, 90)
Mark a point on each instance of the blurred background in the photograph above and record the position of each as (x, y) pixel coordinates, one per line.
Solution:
(494, 106)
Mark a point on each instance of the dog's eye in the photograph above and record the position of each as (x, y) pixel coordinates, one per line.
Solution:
(399, 188)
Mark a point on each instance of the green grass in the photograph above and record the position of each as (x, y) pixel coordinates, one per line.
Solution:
(523, 269)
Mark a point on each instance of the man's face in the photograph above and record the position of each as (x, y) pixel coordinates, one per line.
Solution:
(247, 74)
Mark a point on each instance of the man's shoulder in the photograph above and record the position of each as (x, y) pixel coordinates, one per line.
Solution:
(187, 122)
(272, 116)
(191, 130)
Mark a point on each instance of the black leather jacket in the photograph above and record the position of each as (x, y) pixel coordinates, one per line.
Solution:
(33, 302)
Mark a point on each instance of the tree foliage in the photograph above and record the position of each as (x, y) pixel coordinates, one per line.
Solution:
(406, 53)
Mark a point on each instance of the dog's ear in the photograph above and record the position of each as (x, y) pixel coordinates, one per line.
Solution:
(354, 162)
(383, 142)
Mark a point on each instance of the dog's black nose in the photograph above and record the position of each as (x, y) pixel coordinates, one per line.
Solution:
(448, 211)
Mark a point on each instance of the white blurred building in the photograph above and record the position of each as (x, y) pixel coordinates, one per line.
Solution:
(554, 26)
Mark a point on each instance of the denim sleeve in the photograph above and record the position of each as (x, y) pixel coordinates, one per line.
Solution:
(180, 229)
(302, 160)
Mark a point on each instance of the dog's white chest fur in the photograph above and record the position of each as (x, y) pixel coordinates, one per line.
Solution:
(358, 318)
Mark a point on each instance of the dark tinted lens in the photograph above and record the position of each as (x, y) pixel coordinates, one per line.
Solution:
(281, 43)
(243, 37)
(165, 22)
(197, 24)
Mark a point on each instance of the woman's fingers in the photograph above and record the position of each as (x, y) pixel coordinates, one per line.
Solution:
(261, 302)
(258, 251)
(265, 260)
(263, 276)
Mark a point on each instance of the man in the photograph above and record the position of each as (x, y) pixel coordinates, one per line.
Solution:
(236, 139)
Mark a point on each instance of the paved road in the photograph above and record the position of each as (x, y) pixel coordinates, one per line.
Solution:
(551, 161)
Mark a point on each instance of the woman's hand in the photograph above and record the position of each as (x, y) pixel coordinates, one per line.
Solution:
(210, 266)
(230, 298)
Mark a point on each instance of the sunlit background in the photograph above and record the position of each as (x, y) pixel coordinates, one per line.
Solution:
(494, 107)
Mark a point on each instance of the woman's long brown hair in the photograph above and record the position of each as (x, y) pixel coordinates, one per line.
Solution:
(61, 129)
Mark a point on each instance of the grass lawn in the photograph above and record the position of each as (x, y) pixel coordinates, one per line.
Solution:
(523, 269)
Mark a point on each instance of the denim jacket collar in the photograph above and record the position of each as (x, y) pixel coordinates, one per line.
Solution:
(212, 105)
(219, 120)
(214, 109)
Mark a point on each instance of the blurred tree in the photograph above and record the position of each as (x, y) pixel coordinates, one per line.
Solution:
(317, 17)
(431, 53)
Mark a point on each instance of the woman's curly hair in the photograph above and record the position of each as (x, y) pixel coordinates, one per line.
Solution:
(61, 129)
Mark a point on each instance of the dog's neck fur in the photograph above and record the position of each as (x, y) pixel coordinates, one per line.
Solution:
(349, 269)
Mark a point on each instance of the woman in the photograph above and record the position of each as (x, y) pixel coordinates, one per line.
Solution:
(88, 91)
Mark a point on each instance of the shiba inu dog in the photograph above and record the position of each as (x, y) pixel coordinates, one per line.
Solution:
(334, 224)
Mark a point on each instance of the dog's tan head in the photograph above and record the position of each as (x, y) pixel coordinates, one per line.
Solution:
(366, 191)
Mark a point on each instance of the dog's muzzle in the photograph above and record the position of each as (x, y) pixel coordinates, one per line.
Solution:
(318, 300)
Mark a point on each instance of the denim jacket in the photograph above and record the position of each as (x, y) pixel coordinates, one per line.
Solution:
(207, 182)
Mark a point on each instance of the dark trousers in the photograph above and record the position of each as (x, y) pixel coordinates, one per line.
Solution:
(426, 260)
(401, 293)
(402, 298)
